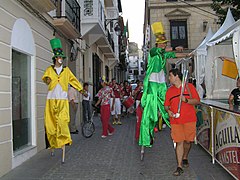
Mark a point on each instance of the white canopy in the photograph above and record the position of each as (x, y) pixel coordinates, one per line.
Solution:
(229, 21)
(217, 85)
(228, 33)
(200, 54)
(202, 48)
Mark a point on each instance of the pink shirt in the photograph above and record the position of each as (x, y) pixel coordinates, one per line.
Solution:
(105, 94)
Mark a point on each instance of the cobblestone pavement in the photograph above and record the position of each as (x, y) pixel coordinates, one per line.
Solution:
(117, 157)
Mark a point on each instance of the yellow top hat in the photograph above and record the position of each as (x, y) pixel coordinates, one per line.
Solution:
(158, 31)
(157, 28)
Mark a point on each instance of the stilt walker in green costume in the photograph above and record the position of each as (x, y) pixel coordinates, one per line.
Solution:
(154, 85)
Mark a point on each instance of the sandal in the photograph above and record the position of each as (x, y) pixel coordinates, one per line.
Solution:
(178, 172)
(185, 163)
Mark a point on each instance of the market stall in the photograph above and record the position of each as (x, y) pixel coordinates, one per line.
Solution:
(218, 125)
(218, 86)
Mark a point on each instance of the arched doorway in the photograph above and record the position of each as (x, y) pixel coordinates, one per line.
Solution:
(23, 75)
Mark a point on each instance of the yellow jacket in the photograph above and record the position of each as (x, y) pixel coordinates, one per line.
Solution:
(64, 78)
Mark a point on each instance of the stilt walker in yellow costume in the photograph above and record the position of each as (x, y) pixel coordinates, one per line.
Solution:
(57, 118)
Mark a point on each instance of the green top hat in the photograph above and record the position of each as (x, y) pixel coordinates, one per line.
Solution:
(55, 43)
(57, 48)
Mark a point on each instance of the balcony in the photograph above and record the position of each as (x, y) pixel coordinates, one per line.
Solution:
(94, 29)
(106, 45)
(93, 18)
(67, 18)
(42, 5)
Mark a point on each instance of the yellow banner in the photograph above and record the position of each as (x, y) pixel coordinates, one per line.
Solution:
(229, 69)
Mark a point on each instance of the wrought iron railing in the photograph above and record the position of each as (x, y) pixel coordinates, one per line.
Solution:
(69, 9)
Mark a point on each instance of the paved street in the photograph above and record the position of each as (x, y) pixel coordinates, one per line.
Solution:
(117, 158)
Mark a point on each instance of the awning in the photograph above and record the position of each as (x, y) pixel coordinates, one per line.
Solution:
(228, 33)
(228, 22)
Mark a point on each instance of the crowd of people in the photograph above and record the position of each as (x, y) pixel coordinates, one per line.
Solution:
(114, 95)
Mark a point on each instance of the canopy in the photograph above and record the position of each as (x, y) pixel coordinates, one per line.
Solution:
(227, 33)
(229, 21)
(217, 85)
(200, 54)
(202, 48)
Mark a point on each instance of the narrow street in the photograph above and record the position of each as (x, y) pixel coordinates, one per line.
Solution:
(117, 157)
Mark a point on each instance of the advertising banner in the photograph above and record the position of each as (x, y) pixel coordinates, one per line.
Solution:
(204, 127)
(227, 141)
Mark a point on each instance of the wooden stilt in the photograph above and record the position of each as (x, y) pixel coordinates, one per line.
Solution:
(174, 145)
(63, 154)
(195, 140)
(52, 152)
(142, 153)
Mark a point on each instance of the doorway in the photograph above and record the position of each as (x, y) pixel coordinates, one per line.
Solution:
(21, 100)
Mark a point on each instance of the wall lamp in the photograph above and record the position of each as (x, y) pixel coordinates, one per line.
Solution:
(205, 23)
(116, 26)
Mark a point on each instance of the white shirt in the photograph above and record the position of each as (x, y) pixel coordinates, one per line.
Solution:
(57, 92)
(58, 69)
(88, 97)
(157, 77)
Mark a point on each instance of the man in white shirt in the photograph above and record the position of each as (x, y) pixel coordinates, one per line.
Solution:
(86, 103)
(73, 106)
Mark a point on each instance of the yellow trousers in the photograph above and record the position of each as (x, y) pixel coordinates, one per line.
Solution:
(56, 122)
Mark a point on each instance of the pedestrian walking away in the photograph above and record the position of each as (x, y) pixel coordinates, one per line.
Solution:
(183, 126)
(56, 114)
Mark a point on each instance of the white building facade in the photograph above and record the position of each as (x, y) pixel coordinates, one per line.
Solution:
(26, 27)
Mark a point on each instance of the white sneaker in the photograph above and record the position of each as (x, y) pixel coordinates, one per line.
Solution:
(103, 136)
(164, 126)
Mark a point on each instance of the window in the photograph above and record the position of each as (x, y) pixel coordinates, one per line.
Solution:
(135, 72)
(178, 33)
(21, 100)
(174, 32)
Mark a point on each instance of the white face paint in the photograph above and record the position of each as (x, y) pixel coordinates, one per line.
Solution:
(60, 60)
